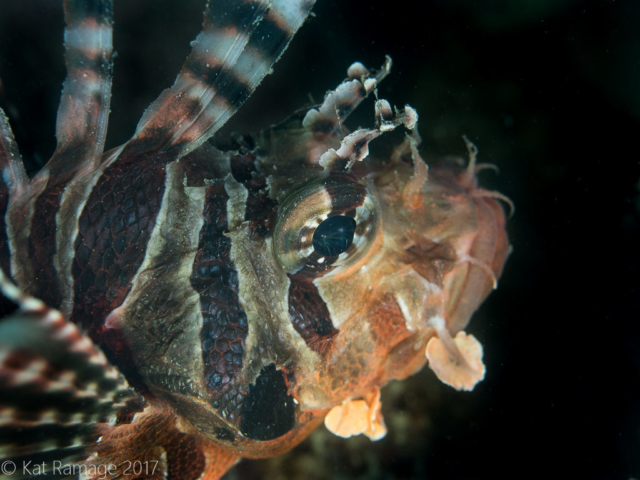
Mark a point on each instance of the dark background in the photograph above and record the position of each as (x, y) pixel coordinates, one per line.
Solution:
(549, 90)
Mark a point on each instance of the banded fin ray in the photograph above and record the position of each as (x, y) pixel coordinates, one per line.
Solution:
(58, 392)
(81, 131)
(81, 126)
(239, 43)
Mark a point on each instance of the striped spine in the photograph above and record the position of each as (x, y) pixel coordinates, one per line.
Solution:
(80, 130)
(240, 42)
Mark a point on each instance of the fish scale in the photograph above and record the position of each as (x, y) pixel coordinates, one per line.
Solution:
(208, 303)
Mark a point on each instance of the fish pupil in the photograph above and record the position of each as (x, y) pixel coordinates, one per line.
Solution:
(334, 235)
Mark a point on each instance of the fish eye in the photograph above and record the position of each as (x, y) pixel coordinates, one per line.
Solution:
(328, 222)
(334, 235)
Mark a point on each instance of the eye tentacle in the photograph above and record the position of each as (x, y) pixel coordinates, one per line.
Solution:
(355, 147)
(341, 102)
(412, 192)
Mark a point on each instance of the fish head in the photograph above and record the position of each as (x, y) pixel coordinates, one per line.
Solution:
(400, 253)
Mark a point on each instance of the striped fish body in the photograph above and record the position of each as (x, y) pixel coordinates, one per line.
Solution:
(240, 296)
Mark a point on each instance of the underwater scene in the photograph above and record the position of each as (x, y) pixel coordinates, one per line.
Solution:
(352, 240)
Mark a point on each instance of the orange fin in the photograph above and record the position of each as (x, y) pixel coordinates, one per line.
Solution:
(154, 446)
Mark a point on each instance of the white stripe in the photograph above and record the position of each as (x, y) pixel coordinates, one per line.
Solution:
(251, 67)
(264, 295)
(289, 14)
(219, 47)
(72, 203)
(65, 331)
(237, 202)
(30, 374)
(7, 416)
(52, 317)
(66, 382)
(19, 217)
(91, 39)
(167, 267)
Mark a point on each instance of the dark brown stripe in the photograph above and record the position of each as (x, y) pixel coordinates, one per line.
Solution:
(232, 89)
(324, 125)
(314, 269)
(309, 313)
(243, 163)
(225, 326)
(24, 441)
(345, 106)
(42, 242)
(269, 410)
(114, 229)
(157, 132)
(269, 38)
(345, 197)
(261, 209)
(84, 107)
(28, 399)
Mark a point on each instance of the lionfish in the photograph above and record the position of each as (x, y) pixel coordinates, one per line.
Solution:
(174, 307)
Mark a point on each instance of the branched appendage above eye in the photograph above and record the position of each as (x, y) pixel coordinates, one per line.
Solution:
(355, 146)
(412, 192)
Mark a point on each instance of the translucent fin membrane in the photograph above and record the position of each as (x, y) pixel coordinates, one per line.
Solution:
(83, 114)
(81, 130)
(237, 47)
